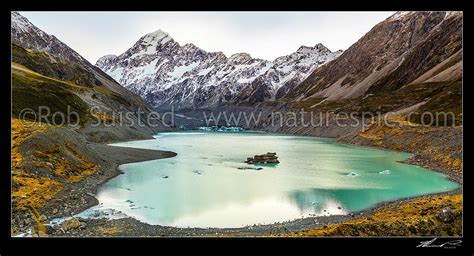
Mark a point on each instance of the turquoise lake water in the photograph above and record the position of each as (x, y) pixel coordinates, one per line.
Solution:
(203, 186)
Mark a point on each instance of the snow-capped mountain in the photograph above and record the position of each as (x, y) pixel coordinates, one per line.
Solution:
(167, 74)
(286, 72)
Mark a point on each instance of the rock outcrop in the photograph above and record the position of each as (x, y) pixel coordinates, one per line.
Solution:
(268, 158)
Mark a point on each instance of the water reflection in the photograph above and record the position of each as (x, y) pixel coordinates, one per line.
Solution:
(209, 185)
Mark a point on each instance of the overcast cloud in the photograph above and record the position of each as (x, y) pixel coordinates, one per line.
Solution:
(265, 35)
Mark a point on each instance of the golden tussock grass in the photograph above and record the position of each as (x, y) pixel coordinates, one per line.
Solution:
(415, 217)
(108, 231)
(33, 192)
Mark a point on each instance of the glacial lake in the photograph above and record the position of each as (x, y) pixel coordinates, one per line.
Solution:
(203, 186)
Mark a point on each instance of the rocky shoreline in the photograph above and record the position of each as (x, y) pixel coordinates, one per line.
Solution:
(76, 198)
(116, 156)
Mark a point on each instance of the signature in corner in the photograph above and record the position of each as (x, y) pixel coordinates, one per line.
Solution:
(449, 244)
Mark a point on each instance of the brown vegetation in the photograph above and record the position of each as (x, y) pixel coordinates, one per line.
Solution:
(418, 217)
(28, 191)
(31, 190)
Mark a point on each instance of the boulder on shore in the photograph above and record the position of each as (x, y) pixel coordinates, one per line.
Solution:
(72, 224)
(268, 158)
(446, 215)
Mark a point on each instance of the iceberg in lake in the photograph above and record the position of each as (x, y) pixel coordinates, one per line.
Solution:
(206, 128)
(352, 174)
(221, 129)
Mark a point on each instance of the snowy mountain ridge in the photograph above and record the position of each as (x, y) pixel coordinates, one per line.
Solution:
(167, 74)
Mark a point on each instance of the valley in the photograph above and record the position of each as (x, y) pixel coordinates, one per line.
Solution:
(392, 81)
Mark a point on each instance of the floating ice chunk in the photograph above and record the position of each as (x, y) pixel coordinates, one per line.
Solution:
(221, 129)
(352, 174)
(250, 168)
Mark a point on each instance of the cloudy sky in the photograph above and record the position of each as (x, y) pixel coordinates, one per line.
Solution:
(265, 35)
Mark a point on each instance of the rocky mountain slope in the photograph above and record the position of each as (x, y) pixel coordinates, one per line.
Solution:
(167, 74)
(406, 48)
(54, 163)
(287, 72)
(41, 59)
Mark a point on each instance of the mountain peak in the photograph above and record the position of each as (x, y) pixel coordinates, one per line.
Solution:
(158, 33)
(318, 47)
(156, 36)
(239, 58)
(105, 60)
(20, 22)
(149, 44)
(190, 46)
(303, 48)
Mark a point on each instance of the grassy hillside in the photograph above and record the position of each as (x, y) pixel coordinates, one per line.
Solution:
(31, 90)
(435, 96)
(40, 80)
(448, 100)
(46, 65)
